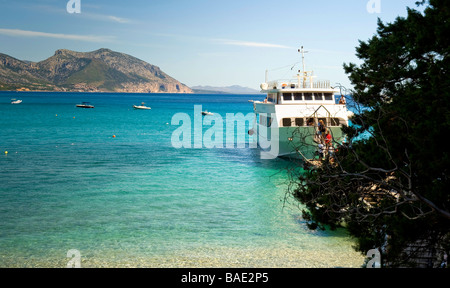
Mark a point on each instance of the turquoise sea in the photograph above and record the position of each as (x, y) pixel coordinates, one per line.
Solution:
(134, 200)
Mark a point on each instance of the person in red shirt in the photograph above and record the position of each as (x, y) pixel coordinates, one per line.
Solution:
(329, 145)
(328, 138)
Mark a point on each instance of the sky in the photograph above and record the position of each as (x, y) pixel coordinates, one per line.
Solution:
(203, 42)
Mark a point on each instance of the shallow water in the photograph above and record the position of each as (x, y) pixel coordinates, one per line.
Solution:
(134, 200)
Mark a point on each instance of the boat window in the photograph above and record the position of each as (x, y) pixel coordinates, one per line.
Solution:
(318, 96)
(265, 120)
(299, 122)
(287, 96)
(324, 120)
(328, 96)
(335, 122)
(272, 97)
(298, 96)
(308, 96)
(287, 122)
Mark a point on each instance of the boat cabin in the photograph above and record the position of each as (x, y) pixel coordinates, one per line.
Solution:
(296, 98)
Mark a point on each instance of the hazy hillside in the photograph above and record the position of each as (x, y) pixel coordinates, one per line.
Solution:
(235, 89)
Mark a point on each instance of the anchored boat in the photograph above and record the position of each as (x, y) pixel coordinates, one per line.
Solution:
(142, 106)
(85, 105)
(206, 113)
(297, 114)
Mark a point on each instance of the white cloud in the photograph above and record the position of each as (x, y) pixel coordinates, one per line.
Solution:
(251, 44)
(119, 20)
(105, 18)
(25, 33)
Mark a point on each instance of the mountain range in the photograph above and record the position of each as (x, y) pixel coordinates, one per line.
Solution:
(102, 70)
(234, 89)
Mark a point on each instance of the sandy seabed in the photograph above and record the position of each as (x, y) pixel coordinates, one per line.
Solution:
(200, 258)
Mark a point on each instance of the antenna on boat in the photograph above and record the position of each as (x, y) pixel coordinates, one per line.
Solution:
(303, 59)
(305, 74)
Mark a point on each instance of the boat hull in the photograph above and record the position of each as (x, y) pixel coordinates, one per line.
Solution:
(141, 107)
(296, 142)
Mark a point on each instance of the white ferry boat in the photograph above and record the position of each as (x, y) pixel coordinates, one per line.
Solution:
(291, 116)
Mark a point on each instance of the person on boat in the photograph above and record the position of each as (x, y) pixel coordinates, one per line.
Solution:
(331, 152)
(320, 151)
(328, 139)
(321, 130)
(342, 100)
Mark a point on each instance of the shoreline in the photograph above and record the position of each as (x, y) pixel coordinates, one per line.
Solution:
(202, 257)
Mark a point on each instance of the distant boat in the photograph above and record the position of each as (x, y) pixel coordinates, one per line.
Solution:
(85, 105)
(15, 101)
(142, 106)
(207, 113)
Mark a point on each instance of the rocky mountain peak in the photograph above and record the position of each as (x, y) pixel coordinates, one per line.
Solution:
(99, 70)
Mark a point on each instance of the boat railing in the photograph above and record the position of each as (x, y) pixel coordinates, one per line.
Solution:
(302, 84)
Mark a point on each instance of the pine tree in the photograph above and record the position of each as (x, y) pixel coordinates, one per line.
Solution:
(389, 185)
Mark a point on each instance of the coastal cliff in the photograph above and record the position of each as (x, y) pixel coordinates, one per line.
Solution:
(102, 70)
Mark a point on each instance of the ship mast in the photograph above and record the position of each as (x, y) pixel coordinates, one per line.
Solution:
(305, 73)
(303, 59)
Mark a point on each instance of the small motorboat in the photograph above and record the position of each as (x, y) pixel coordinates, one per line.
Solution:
(207, 113)
(142, 106)
(85, 105)
(15, 101)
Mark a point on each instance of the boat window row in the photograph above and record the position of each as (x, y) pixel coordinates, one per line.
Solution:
(300, 122)
(307, 96)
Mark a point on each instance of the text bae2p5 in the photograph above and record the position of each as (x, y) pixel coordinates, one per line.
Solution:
(240, 277)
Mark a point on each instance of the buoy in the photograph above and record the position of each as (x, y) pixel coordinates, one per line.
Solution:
(6, 152)
(114, 136)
